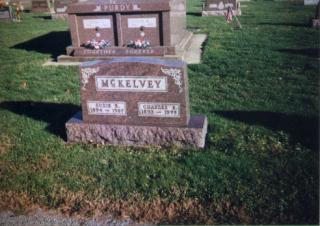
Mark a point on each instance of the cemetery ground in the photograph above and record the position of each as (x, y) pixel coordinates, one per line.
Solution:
(258, 86)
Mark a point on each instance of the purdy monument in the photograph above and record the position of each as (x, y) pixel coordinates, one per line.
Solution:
(136, 101)
(102, 29)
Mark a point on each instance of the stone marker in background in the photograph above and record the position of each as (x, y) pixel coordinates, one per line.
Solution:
(25, 3)
(316, 20)
(106, 29)
(220, 7)
(41, 6)
(5, 13)
(136, 101)
(311, 2)
(60, 8)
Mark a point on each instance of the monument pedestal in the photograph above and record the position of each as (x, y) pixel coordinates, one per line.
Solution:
(192, 136)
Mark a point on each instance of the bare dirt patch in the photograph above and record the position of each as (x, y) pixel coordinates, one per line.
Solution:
(156, 211)
(5, 143)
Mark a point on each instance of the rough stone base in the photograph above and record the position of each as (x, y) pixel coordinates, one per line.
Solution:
(220, 13)
(316, 23)
(64, 60)
(59, 16)
(192, 136)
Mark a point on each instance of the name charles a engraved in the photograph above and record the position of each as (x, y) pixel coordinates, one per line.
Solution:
(107, 108)
(167, 110)
(131, 83)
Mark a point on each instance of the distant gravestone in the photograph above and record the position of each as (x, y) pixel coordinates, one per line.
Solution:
(102, 29)
(25, 3)
(220, 7)
(40, 6)
(316, 20)
(5, 14)
(136, 101)
(311, 2)
(60, 8)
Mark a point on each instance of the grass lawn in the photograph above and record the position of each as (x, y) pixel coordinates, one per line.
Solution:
(258, 86)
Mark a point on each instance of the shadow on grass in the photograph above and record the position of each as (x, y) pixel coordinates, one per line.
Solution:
(43, 17)
(194, 13)
(53, 43)
(54, 114)
(285, 24)
(310, 52)
(300, 129)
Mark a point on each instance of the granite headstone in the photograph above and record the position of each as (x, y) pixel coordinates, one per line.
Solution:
(27, 4)
(136, 101)
(127, 28)
(41, 6)
(316, 20)
(60, 9)
(311, 2)
(220, 7)
(5, 14)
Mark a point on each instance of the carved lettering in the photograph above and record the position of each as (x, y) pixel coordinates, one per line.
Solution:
(117, 108)
(118, 7)
(165, 110)
(131, 83)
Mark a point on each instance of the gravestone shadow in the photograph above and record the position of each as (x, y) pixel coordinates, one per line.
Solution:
(53, 43)
(56, 115)
(303, 130)
(43, 17)
(310, 52)
(284, 24)
(194, 14)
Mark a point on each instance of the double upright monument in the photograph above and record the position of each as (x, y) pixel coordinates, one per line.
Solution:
(127, 28)
(132, 99)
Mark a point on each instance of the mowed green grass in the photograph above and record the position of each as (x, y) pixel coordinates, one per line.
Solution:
(257, 85)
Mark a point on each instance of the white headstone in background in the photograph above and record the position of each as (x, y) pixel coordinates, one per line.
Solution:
(311, 2)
